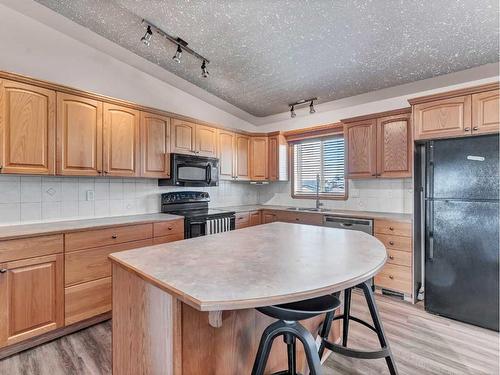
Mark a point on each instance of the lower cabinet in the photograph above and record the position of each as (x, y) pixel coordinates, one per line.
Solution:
(83, 301)
(31, 297)
(255, 218)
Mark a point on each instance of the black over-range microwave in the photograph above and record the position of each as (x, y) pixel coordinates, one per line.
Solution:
(189, 170)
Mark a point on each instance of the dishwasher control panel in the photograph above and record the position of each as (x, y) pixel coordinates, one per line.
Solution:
(363, 225)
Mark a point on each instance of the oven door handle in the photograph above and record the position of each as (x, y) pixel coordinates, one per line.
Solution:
(197, 222)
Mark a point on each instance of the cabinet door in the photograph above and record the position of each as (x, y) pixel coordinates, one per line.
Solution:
(443, 118)
(155, 145)
(255, 218)
(182, 137)
(242, 157)
(268, 217)
(79, 135)
(27, 129)
(361, 150)
(394, 146)
(227, 148)
(259, 158)
(206, 141)
(278, 158)
(31, 298)
(121, 141)
(273, 158)
(485, 112)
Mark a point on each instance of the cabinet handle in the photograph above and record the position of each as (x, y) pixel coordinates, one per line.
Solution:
(391, 257)
(169, 228)
(3, 270)
(475, 128)
(391, 228)
(114, 236)
(99, 172)
(467, 129)
(391, 243)
(391, 277)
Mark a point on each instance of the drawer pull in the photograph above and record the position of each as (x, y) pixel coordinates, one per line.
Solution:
(169, 228)
(297, 219)
(391, 257)
(391, 277)
(3, 270)
(391, 228)
(114, 235)
(475, 128)
(391, 243)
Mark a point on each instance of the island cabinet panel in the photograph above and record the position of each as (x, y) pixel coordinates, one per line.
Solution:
(394, 146)
(443, 118)
(155, 145)
(121, 153)
(361, 149)
(227, 154)
(259, 163)
(206, 141)
(182, 137)
(27, 129)
(485, 112)
(242, 157)
(31, 298)
(79, 135)
(86, 300)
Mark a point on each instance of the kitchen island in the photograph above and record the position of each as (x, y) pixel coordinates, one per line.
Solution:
(188, 307)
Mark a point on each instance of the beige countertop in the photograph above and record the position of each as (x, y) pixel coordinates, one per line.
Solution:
(27, 230)
(345, 213)
(258, 266)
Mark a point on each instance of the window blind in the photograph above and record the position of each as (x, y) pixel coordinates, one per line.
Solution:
(323, 157)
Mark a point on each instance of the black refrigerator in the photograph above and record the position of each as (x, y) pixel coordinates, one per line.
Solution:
(461, 229)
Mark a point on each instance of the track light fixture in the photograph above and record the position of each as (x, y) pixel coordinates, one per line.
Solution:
(182, 46)
(204, 70)
(146, 39)
(178, 55)
(301, 102)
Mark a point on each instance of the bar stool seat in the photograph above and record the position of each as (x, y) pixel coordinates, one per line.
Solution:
(288, 315)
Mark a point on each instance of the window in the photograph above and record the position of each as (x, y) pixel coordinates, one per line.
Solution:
(323, 159)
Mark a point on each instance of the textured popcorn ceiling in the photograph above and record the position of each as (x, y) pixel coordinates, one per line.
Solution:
(267, 53)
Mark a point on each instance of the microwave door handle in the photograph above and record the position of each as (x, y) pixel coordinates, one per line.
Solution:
(209, 173)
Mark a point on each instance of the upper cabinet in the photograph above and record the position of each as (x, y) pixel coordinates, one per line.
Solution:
(155, 145)
(259, 164)
(79, 135)
(485, 112)
(190, 138)
(27, 128)
(460, 113)
(242, 162)
(361, 150)
(379, 145)
(121, 141)
(278, 158)
(206, 141)
(227, 154)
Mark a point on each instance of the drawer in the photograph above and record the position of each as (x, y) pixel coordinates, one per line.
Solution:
(30, 247)
(255, 218)
(87, 300)
(91, 264)
(301, 218)
(166, 228)
(394, 277)
(242, 220)
(108, 236)
(169, 238)
(402, 258)
(395, 242)
(397, 228)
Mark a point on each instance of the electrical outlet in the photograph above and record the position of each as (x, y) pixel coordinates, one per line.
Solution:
(90, 195)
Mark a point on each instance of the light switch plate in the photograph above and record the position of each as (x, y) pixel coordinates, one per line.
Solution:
(90, 195)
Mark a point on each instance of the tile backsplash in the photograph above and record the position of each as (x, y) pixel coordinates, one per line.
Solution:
(32, 199)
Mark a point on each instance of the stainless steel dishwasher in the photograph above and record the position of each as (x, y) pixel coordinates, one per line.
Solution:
(363, 225)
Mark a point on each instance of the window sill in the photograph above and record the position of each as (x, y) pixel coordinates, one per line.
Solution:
(321, 197)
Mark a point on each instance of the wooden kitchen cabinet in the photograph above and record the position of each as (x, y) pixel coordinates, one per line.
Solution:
(31, 298)
(259, 163)
(27, 128)
(155, 145)
(121, 145)
(394, 146)
(79, 135)
(242, 157)
(227, 154)
(268, 217)
(278, 158)
(182, 137)
(255, 218)
(242, 220)
(361, 149)
(485, 112)
(206, 141)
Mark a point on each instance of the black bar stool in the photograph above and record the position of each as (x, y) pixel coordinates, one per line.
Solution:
(288, 326)
(346, 317)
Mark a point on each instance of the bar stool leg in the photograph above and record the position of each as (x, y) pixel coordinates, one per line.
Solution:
(372, 306)
(290, 346)
(266, 342)
(324, 332)
(310, 349)
(347, 311)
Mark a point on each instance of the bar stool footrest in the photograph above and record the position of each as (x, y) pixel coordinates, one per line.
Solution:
(360, 321)
(354, 353)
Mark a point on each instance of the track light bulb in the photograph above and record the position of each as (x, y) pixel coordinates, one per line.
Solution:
(178, 54)
(292, 112)
(146, 39)
(311, 108)
(204, 70)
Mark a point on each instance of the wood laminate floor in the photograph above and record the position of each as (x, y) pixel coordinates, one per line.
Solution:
(422, 344)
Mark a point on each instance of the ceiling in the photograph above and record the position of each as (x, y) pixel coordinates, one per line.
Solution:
(265, 54)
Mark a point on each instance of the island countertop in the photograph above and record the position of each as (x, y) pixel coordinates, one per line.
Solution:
(257, 266)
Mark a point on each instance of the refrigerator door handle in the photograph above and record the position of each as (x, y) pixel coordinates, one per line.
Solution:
(431, 247)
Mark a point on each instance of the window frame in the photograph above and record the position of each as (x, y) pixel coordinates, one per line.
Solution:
(322, 196)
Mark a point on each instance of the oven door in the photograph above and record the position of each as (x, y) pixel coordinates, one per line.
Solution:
(195, 228)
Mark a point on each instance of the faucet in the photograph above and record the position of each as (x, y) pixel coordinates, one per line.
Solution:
(318, 203)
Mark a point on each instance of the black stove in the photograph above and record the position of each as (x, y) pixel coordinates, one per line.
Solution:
(199, 220)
